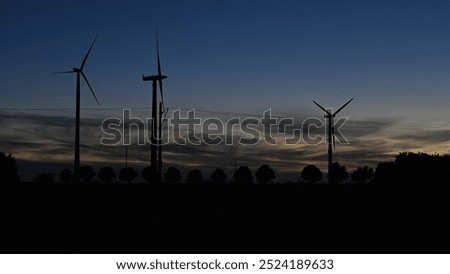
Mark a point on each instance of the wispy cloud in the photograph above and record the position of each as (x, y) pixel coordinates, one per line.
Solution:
(50, 139)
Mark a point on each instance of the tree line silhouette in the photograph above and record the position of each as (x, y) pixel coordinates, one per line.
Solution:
(369, 210)
(407, 168)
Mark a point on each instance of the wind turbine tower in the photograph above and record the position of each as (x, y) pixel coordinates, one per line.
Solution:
(330, 138)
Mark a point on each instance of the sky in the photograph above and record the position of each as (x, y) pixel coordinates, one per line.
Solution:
(227, 58)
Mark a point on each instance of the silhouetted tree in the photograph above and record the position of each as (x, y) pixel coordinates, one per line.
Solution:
(127, 174)
(414, 169)
(8, 168)
(362, 174)
(218, 176)
(43, 178)
(264, 174)
(172, 175)
(311, 174)
(385, 173)
(411, 167)
(66, 176)
(195, 176)
(422, 168)
(243, 175)
(339, 173)
(86, 173)
(149, 174)
(106, 174)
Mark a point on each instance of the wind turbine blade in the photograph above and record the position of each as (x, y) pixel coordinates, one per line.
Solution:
(60, 72)
(334, 141)
(322, 108)
(161, 92)
(160, 81)
(157, 52)
(166, 112)
(159, 68)
(87, 54)
(343, 106)
(89, 85)
(332, 133)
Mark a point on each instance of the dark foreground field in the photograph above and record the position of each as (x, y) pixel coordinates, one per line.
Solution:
(226, 218)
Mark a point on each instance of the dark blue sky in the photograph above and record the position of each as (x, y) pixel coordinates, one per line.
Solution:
(393, 57)
(277, 54)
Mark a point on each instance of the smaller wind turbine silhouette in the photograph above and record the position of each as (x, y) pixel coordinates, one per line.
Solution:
(155, 146)
(331, 139)
(79, 72)
(163, 111)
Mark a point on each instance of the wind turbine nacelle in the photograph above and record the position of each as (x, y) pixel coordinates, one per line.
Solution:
(153, 77)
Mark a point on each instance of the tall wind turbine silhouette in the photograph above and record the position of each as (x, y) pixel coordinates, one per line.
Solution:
(162, 112)
(331, 139)
(79, 72)
(155, 146)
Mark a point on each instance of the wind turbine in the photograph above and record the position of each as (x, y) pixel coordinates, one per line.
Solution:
(162, 111)
(331, 139)
(79, 72)
(156, 155)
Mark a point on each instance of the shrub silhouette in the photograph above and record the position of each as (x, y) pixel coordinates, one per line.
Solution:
(385, 173)
(66, 176)
(149, 174)
(311, 174)
(264, 174)
(339, 173)
(106, 174)
(195, 176)
(86, 173)
(243, 175)
(8, 168)
(218, 176)
(127, 174)
(362, 174)
(43, 178)
(422, 168)
(172, 175)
